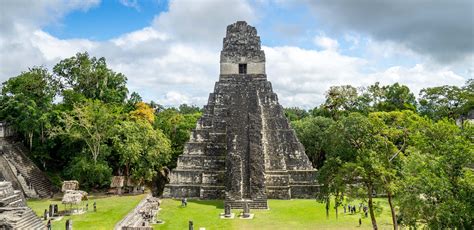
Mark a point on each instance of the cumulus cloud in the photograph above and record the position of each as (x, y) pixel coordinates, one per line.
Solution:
(23, 44)
(203, 21)
(442, 30)
(175, 59)
(301, 76)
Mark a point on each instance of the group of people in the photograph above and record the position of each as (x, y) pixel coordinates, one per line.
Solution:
(352, 209)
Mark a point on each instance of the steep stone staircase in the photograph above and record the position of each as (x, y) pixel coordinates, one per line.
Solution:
(33, 181)
(20, 218)
(14, 214)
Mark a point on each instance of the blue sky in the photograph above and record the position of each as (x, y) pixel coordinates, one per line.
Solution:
(169, 50)
(109, 19)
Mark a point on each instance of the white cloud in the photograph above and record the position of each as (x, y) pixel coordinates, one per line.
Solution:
(418, 77)
(326, 43)
(301, 77)
(53, 48)
(176, 59)
(130, 40)
(131, 3)
(203, 21)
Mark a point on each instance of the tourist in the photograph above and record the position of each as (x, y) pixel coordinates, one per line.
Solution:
(360, 222)
(49, 225)
(184, 202)
(95, 207)
(344, 208)
(87, 206)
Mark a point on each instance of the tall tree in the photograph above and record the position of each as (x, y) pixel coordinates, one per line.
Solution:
(438, 181)
(177, 127)
(394, 130)
(355, 156)
(447, 101)
(92, 123)
(91, 77)
(26, 101)
(313, 132)
(142, 150)
(341, 100)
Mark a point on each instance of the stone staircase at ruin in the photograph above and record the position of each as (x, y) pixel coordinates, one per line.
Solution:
(14, 214)
(21, 218)
(29, 178)
(253, 204)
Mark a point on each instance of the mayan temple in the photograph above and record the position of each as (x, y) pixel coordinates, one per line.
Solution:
(243, 148)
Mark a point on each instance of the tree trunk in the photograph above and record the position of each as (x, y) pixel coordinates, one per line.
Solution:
(30, 140)
(371, 207)
(392, 209)
(327, 207)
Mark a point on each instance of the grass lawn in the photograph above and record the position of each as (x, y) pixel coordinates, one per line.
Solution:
(110, 210)
(283, 214)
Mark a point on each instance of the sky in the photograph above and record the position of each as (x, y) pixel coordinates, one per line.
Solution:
(169, 50)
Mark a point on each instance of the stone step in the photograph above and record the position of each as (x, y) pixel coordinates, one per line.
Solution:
(32, 174)
(260, 204)
(17, 203)
(29, 221)
(13, 199)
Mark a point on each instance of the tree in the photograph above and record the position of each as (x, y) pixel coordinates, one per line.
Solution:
(394, 129)
(132, 101)
(356, 157)
(177, 127)
(341, 100)
(447, 101)
(26, 101)
(91, 78)
(397, 97)
(386, 98)
(295, 113)
(142, 150)
(188, 109)
(91, 123)
(143, 112)
(438, 184)
(313, 132)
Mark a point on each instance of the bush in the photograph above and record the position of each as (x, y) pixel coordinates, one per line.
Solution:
(89, 174)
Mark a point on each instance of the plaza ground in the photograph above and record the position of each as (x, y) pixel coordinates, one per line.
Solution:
(110, 210)
(283, 214)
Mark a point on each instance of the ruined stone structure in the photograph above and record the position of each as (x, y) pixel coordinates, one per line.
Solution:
(243, 148)
(142, 217)
(16, 167)
(14, 214)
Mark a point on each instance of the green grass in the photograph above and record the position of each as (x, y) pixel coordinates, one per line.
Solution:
(110, 210)
(283, 214)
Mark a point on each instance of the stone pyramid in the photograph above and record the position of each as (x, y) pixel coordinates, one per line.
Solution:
(243, 148)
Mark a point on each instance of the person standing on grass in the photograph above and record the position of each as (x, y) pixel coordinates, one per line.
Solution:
(360, 222)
